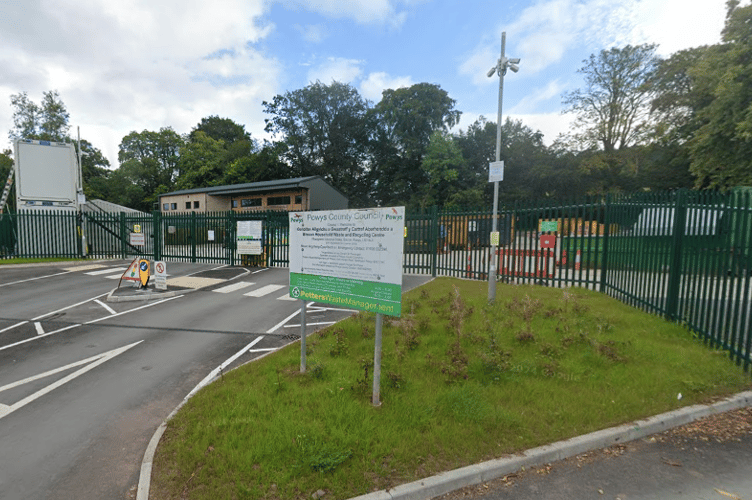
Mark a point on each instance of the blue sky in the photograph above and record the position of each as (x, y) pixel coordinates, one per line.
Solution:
(134, 65)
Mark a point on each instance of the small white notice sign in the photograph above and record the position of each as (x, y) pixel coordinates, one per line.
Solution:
(496, 171)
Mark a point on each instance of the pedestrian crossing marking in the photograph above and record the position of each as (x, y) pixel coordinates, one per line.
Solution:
(286, 297)
(84, 268)
(265, 290)
(234, 287)
(105, 271)
(193, 282)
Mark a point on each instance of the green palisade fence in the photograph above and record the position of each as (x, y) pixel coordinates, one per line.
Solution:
(685, 255)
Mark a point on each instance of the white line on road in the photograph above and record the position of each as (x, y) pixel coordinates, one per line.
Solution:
(38, 326)
(312, 324)
(66, 308)
(134, 309)
(34, 279)
(109, 309)
(234, 287)
(286, 297)
(13, 326)
(281, 323)
(39, 337)
(107, 271)
(45, 390)
(264, 290)
(221, 367)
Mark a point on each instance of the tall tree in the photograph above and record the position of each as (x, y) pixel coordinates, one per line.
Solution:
(441, 166)
(148, 160)
(612, 110)
(202, 162)
(407, 118)
(721, 147)
(326, 130)
(46, 121)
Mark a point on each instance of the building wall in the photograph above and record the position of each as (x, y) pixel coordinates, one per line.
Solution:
(193, 202)
(298, 200)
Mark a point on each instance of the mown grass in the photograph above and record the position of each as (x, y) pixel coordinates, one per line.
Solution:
(462, 382)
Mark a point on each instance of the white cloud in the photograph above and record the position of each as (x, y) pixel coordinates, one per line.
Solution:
(137, 64)
(336, 68)
(313, 33)
(550, 124)
(372, 87)
(361, 11)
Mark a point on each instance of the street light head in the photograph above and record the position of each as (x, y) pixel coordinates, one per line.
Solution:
(491, 72)
(514, 67)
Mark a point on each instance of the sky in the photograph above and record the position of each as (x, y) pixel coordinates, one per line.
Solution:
(134, 65)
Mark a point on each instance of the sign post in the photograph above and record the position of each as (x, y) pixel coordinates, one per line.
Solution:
(352, 259)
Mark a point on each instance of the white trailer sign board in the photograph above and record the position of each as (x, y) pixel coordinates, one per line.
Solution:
(349, 258)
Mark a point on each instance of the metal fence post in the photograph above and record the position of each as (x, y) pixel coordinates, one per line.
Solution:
(157, 232)
(606, 234)
(675, 269)
(435, 234)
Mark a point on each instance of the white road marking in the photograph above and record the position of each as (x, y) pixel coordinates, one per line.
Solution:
(287, 297)
(132, 310)
(234, 287)
(67, 307)
(193, 282)
(38, 337)
(312, 324)
(265, 290)
(221, 367)
(109, 309)
(106, 271)
(281, 323)
(34, 279)
(114, 277)
(4, 410)
(84, 268)
(13, 326)
(45, 390)
(38, 326)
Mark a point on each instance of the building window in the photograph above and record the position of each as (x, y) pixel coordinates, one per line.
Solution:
(173, 206)
(250, 202)
(278, 200)
(195, 204)
(187, 205)
(234, 203)
(299, 199)
(165, 207)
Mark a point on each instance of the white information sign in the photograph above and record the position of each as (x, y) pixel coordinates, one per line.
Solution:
(160, 275)
(249, 237)
(138, 239)
(496, 171)
(351, 258)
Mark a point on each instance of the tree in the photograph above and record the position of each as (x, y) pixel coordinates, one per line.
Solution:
(6, 163)
(612, 111)
(95, 172)
(45, 121)
(149, 161)
(440, 165)
(326, 130)
(721, 146)
(220, 129)
(406, 118)
(202, 162)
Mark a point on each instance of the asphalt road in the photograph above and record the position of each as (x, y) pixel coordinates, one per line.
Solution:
(85, 382)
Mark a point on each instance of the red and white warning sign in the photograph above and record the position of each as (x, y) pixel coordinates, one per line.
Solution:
(160, 275)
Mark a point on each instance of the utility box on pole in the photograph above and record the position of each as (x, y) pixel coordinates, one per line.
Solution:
(46, 182)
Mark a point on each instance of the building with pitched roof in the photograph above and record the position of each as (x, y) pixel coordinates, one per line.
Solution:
(300, 193)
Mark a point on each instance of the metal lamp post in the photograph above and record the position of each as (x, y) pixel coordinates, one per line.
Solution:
(496, 169)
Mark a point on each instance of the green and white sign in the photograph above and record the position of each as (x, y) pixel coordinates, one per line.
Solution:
(348, 258)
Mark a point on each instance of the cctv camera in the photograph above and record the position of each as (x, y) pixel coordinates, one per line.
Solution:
(491, 72)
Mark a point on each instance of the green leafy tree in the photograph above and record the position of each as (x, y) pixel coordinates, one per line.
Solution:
(441, 165)
(613, 108)
(326, 132)
(406, 119)
(721, 145)
(6, 163)
(262, 165)
(95, 171)
(45, 121)
(202, 162)
(148, 161)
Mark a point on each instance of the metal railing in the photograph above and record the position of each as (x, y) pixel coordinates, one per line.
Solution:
(685, 255)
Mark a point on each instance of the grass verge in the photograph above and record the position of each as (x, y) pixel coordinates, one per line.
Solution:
(462, 382)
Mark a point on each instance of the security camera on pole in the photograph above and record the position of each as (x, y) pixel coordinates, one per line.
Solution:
(496, 169)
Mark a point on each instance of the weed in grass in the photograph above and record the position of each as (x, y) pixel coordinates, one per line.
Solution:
(316, 370)
(494, 361)
(456, 368)
(341, 346)
(363, 384)
(525, 336)
(319, 456)
(395, 380)
(609, 350)
(549, 350)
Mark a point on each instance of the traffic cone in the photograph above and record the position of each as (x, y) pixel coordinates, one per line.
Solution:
(578, 260)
